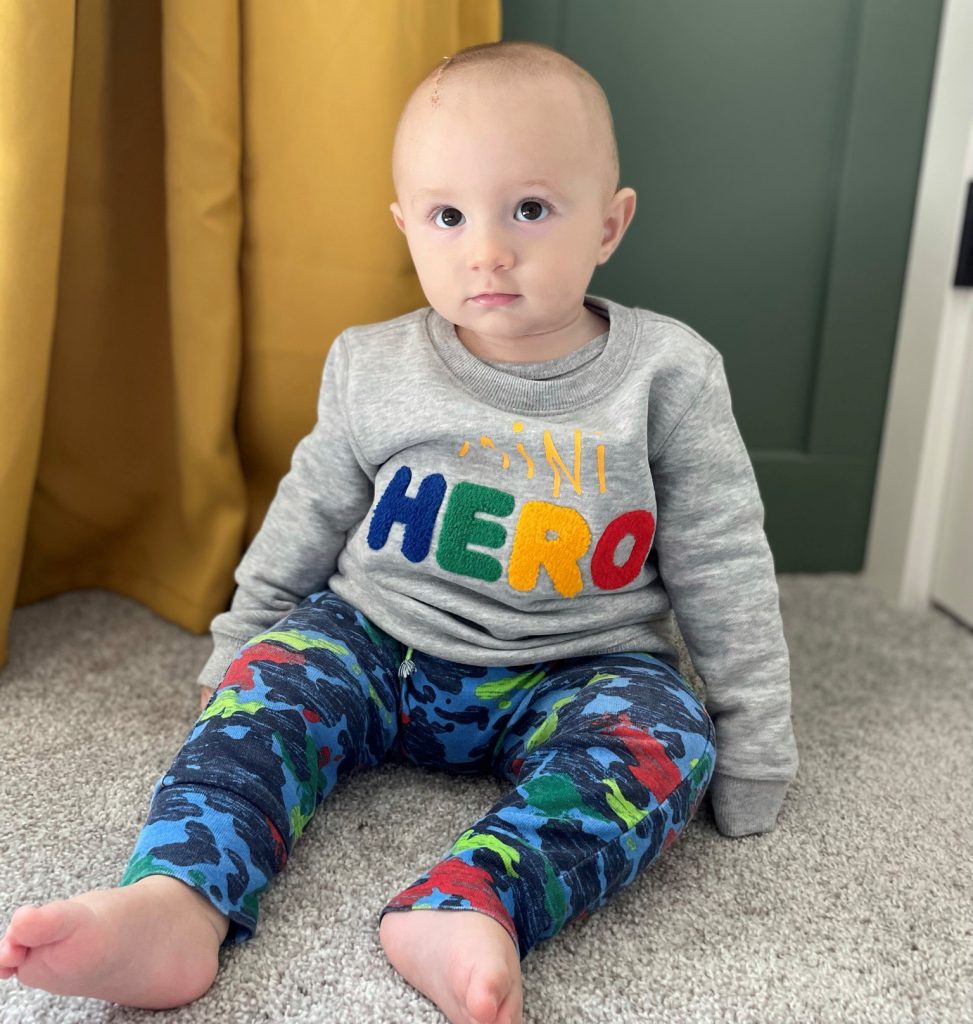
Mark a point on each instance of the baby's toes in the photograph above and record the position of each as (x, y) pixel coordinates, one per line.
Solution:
(485, 995)
(494, 995)
(40, 926)
(512, 1015)
(12, 955)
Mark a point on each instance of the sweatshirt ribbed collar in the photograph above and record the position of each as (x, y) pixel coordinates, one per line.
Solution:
(520, 394)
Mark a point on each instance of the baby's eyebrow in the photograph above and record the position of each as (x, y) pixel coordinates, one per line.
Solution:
(542, 183)
(421, 193)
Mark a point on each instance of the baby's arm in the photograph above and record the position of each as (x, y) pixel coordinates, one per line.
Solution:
(718, 570)
(327, 490)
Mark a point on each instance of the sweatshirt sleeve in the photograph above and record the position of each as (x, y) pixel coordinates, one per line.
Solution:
(717, 568)
(326, 491)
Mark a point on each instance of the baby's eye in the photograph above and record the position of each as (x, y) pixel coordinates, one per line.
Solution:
(532, 209)
(451, 216)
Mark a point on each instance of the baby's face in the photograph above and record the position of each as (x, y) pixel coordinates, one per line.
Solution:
(501, 189)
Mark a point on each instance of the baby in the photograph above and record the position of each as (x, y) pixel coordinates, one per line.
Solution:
(471, 566)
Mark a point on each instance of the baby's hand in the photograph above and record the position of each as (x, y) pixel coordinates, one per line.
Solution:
(205, 692)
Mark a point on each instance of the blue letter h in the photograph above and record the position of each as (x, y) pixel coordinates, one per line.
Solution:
(417, 514)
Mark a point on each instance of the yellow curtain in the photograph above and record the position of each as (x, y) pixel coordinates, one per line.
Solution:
(193, 204)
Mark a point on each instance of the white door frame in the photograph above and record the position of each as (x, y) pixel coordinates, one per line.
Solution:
(921, 416)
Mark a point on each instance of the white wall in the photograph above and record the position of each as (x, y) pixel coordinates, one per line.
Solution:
(922, 414)
(952, 581)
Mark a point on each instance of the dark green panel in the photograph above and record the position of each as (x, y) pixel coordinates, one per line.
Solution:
(874, 222)
(816, 510)
(538, 20)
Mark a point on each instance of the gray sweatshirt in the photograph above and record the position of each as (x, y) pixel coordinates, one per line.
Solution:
(505, 513)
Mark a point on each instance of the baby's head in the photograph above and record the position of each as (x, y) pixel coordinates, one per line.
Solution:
(506, 174)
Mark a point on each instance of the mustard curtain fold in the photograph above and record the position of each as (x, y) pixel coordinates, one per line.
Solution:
(193, 204)
(34, 118)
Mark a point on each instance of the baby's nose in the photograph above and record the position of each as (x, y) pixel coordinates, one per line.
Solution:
(491, 250)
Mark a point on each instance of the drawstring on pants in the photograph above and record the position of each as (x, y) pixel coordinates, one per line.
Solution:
(408, 666)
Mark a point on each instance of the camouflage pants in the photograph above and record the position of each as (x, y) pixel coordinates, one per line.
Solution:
(608, 755)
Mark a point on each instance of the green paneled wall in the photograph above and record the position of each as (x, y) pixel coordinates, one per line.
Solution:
(775, 148)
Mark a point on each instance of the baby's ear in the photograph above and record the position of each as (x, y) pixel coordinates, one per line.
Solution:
(397, 217)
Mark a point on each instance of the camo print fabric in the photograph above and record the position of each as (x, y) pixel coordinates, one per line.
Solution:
(608, 755)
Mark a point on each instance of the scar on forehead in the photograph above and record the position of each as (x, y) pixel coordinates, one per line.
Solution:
(434, 99)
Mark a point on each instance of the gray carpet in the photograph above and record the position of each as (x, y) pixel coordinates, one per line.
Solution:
(859, 908)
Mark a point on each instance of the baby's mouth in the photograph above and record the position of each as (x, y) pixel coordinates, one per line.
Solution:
(494, 298)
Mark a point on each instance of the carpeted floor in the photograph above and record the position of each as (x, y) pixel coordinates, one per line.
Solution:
(859, 908)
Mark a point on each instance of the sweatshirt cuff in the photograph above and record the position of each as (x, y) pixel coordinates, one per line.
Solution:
(225, 649)
(744, 807)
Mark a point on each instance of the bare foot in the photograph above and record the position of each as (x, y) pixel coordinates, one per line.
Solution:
(153, 944)
(464, 961)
